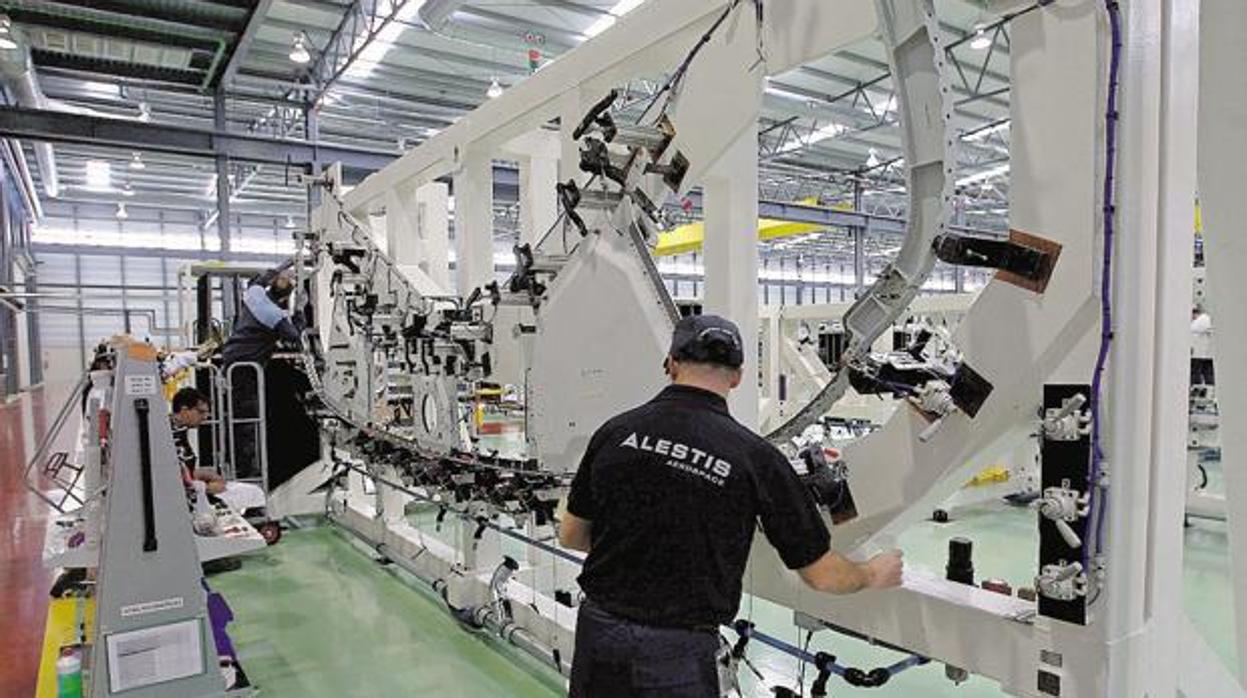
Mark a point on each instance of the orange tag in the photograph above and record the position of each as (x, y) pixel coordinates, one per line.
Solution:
(141, 352)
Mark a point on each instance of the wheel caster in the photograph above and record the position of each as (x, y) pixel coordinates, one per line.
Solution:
(270, 531)
(939, 516)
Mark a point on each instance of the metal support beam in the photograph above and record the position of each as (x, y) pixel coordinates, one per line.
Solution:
(82, 129)
(859, 260)
(1222, 162)
(258, 13)
(222, 180)
(181, 255)
(732, 257)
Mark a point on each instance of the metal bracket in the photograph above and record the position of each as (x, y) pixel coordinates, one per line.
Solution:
(1007, 255)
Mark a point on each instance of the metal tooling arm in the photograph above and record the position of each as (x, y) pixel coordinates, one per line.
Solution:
(915, 49)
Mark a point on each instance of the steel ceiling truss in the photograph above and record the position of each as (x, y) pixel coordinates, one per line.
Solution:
(362, 22)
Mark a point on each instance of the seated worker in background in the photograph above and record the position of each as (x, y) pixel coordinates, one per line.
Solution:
(190, 410)
(666, 502)
(261, 323)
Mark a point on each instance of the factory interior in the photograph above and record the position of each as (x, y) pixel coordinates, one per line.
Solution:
(538, 347)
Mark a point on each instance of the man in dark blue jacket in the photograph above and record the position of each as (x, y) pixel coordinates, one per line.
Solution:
(261, 323)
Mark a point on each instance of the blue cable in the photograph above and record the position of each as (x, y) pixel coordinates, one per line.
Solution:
(1099, 497)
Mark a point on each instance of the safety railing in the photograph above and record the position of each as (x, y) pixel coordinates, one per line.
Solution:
(46, 466)
(248, 426)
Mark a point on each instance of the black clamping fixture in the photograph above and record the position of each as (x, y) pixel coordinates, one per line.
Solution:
(823, 662)
(569, 199)
(1006, 255)
(599, 116)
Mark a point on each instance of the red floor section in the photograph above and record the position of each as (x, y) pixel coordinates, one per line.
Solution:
(23, 581)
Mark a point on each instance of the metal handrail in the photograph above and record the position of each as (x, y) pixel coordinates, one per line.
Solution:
(45, 445)
(259, 423)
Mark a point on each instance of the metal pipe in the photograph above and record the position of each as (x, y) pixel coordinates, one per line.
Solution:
(485, 616)
(546, 547)
(18, 74)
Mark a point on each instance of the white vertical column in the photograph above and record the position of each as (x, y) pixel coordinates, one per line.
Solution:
(474, 223)
(1174, 212)
(731, 257)
(572, 108)
(539, 173)
(433, 227)
(1222, 171)
(402, 237)
(418, 230)
(1144, 406)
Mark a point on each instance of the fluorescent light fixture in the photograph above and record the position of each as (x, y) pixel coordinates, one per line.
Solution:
(620, 9)
(983, 133)
(786, 94)
(121, 212)
(984, 175)
(298, 49)
(6, 37)
(99, 175)
(495, 89)
(981, 40)
(136, 162)
(369, 58)
(829, 131)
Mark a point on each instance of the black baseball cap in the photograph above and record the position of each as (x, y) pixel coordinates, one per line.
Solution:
(708, 339)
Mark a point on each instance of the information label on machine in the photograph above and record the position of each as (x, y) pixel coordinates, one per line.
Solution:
(141, 385)
(154, 655)
(138, 609)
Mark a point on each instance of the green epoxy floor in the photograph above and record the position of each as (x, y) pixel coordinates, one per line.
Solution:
(315, 616)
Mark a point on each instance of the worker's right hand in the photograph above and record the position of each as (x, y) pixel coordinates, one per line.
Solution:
(883, 571)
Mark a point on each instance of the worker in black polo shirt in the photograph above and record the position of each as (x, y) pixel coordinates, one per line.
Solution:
(665, 502)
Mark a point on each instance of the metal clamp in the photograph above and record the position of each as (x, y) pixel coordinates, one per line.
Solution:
(1062, 582)
(1063, 506)
(1070, 423)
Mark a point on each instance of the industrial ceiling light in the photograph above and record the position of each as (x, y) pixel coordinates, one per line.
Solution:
(98, 175)
(873, 159)
(298, 50)
(121, 212)
(620, 9)
(289, 221)
(127, 191)
(6, 36)
(981, 40)
(136, 162)
(495, 89)
(145, 112)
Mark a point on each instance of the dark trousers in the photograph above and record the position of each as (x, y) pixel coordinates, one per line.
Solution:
(1203, 372)
(617, 658)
